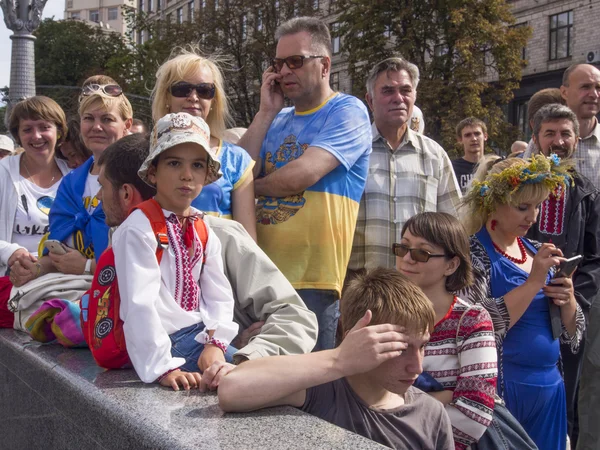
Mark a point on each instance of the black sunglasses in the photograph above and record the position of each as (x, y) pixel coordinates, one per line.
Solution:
(416, 254)
(293, 62)
(182, 89)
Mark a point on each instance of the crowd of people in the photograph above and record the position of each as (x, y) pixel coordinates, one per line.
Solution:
(316, 259)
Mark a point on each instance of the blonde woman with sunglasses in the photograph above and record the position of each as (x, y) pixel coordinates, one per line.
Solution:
(194, 84)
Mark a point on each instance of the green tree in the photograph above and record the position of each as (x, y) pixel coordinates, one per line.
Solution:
(468, 53)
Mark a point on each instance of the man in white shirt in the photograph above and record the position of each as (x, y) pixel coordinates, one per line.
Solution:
(581, 90)
(273, 319)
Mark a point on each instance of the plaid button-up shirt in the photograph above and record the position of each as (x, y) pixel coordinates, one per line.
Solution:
(588, 156)
(414, 178)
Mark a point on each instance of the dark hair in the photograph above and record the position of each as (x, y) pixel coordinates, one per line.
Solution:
(318, 30)
(74, 138)
(541, 98)
(470, 122)
(447, 232)
(390, 296)
(38, 108)
(551, 113)
(122, 160)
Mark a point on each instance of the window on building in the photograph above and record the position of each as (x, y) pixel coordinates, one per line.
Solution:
(94, 15)
(334, 81)
(76, 15)
(191, 11)
(158, 5)
(141, 7)
(141, 37)
(150, 6)
(521, 118)
(113, 13)
(561, 31)
(169, 18)
(315, 5)
(524, 49)
(244, 26)
(216, 4)
(335, 37)
(180, 15)
(69, 4)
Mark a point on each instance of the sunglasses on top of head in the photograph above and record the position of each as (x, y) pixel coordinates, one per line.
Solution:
(293, 62)
(182, 89)
(417, 254)
(112, 90)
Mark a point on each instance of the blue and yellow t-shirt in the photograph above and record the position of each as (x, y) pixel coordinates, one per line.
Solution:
(309, 235)
(236, 165)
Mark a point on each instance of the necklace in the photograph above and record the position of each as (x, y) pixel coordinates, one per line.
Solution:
(29, 174)
(512, 258)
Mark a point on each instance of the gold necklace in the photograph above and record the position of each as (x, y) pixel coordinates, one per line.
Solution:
(29, 174)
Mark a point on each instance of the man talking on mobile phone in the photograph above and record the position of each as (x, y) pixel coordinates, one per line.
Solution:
(571, 221)
(312, 163)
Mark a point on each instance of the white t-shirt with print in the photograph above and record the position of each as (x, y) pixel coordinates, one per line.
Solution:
(31, 218)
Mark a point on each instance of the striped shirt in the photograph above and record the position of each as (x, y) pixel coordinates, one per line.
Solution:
(414, 178)
(461, 356)
(588, 156)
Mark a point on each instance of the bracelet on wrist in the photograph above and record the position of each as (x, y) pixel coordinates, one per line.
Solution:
(217, 343)
(39, 269)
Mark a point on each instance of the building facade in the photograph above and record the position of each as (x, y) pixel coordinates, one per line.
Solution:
(565, 32)
(103, 13)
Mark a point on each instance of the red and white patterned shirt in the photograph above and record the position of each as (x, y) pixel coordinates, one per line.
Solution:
(467, 366)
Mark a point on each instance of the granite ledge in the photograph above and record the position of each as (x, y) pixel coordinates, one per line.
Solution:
(48, 392)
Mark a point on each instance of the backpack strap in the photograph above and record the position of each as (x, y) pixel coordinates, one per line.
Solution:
(202, 233)
(154, 213)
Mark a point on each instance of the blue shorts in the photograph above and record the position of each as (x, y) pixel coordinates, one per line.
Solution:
(184, 346)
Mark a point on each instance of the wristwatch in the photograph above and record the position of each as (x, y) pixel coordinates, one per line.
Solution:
(88, 267)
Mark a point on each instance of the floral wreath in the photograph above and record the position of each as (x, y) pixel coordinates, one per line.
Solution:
(499, 187)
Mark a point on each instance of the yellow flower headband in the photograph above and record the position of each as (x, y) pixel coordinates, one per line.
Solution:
(499, 187)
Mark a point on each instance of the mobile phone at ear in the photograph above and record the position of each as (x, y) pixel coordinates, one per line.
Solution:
(567, 267)
(55, 247)
(275, 71)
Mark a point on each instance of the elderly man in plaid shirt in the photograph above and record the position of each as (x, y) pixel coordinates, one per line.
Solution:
(408, 172)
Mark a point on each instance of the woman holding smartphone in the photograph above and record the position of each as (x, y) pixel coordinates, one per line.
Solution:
(194, 84)
(29, 183)
(514, 282)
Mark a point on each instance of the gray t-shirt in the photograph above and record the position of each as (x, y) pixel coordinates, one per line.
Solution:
(421, 423)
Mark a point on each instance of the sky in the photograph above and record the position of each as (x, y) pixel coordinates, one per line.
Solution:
(53, 8)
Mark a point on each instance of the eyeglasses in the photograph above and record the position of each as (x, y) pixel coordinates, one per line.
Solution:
(182, 89)
(293, 62)
(416, 254)
(112, 90)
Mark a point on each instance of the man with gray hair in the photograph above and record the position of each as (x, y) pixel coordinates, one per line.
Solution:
(311, 166)
(408, 172)
(571, 221)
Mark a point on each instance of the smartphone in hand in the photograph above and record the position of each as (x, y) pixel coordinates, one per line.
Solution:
(567, 267)
(55, 247)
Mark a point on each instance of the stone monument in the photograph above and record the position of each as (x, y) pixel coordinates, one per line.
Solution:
(22, 17)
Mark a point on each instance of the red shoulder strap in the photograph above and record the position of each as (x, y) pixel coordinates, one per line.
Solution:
(202, 232)
(154, 213)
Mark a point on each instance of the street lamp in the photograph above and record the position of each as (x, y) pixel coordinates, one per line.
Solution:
(22, 17)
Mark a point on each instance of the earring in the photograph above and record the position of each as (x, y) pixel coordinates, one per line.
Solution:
(493, 224)
(168, 107)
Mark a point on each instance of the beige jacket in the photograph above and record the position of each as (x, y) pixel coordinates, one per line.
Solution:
(262, 293)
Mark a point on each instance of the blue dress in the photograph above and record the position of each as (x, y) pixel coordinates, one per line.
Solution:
(530, 382)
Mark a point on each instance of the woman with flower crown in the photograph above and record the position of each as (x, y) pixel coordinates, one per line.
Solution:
(513, 281)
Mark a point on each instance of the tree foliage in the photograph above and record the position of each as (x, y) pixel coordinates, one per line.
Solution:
(468, 52)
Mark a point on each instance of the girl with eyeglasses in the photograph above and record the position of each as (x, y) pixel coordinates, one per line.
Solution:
(531, 309)
(460, 359)
(194, 84)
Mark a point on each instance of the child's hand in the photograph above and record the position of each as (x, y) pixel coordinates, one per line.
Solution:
(212, 376)
(187, 380)
(209, 355)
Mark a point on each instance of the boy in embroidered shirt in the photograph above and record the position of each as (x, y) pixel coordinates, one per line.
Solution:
(178, 315)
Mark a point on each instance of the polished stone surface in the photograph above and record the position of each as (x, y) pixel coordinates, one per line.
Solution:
(57, 398)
